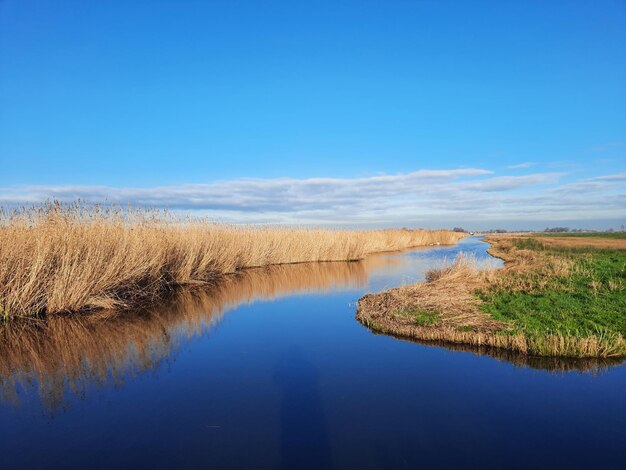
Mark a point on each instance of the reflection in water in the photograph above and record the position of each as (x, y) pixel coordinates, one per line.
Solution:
(69, 353)
(552, 364)
(62, 355)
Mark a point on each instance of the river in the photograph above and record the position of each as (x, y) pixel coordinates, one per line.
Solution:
(271, 369)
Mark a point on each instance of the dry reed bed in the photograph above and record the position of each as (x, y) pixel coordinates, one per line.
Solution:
(57, 258)
(449, 293)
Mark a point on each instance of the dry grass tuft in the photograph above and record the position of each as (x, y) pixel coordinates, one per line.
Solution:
(448, 293)
(525, 270)
(73, 258)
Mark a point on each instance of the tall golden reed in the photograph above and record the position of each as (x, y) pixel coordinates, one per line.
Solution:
(69, 258)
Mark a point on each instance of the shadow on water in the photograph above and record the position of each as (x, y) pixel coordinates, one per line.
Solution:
(303, 434)
(65, 355)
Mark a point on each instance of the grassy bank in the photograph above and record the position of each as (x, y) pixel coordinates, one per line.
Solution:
(73, 258)
(552, 298)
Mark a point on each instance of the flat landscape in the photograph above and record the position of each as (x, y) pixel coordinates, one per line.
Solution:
(312, 235)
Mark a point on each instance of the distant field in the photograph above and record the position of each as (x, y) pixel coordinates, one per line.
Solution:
(581, 243)
(620, 235)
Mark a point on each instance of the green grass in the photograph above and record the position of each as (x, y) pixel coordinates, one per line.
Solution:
(418, 316)
(591, 300)
(582, 235)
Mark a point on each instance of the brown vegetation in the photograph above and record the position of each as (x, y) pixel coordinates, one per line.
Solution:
(583, 242)
(72, 258)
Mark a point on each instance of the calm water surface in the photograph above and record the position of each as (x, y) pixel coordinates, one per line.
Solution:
(271, 369)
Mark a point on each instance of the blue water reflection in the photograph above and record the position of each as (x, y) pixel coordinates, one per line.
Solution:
(274, 371)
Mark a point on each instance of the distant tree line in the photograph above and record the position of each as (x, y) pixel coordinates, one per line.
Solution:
(578, 230)
(557, 229)
(547, 229)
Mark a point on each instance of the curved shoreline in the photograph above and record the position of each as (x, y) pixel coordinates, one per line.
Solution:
(450, 303)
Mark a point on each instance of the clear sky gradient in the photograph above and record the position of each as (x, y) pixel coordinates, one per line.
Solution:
(437, 113)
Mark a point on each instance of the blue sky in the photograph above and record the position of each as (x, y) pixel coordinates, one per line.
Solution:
(365, 113)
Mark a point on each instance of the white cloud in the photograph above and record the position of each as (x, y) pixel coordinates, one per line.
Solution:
(421, 197)
(506, 183)
(616, 177)
(521, 165)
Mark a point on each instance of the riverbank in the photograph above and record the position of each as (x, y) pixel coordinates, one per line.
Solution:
(73, 258)
(550, 299)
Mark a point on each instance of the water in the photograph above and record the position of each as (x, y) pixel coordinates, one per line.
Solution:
(271, 369)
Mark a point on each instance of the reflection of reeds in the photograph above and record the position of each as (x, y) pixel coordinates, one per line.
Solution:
(556, 364)
(64, 353)
(58, 258)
